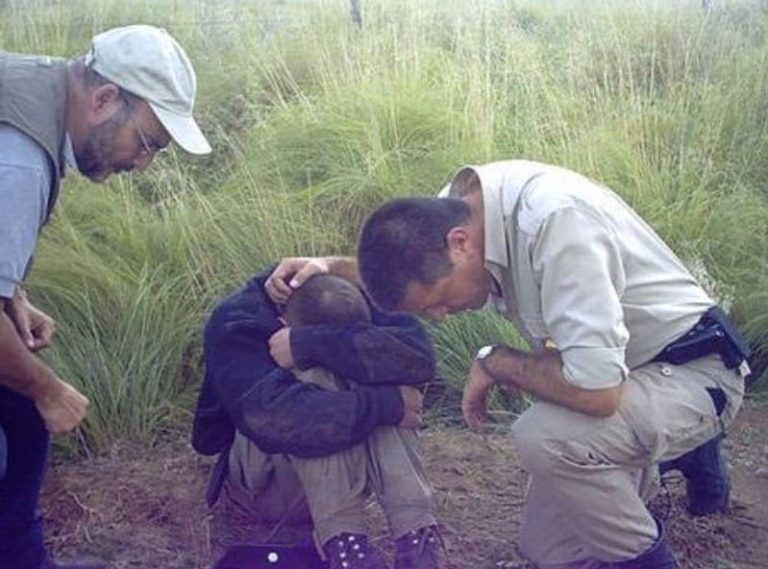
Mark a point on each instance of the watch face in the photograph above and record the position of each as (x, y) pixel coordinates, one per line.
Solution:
(484, 352)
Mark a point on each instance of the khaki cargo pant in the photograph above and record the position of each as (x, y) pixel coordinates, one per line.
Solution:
(332, 492)
(590, 477)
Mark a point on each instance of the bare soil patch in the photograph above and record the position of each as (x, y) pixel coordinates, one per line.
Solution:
(145, 508)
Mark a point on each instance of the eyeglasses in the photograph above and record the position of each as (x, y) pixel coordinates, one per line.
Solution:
(149, 149)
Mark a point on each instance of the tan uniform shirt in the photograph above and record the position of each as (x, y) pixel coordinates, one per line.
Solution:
(578, 267)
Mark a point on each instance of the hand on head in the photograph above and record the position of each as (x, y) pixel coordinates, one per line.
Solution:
(290, 274)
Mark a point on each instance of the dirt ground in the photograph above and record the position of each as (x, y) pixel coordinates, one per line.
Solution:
(142, 508)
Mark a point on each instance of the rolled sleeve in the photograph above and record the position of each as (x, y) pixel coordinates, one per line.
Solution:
(594, 368)
(579, 267)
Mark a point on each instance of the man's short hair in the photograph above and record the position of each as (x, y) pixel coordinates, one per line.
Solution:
(404, 241)
(92, 79)
(327, 300)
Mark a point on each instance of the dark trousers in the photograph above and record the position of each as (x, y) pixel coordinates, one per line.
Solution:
(23, 457)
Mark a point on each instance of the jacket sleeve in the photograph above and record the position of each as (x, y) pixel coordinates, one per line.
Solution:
(269, 405)
(394, 349)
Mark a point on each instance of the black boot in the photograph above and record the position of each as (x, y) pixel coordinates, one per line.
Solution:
(708, 485)
(419, 549)
(659, 556)
(352, 551)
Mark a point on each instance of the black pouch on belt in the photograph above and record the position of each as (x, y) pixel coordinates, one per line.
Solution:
(714, 333)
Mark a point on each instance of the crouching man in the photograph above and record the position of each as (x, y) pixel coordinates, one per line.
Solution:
(634, 367)
(312, 408)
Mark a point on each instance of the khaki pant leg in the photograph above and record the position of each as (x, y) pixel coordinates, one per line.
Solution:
(336, 490)
(336, 485)
(389, 463)
(399, 481)
(265, 485)
(587, 473)
(328, 492)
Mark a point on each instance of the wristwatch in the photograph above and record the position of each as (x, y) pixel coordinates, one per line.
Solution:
(482, 358)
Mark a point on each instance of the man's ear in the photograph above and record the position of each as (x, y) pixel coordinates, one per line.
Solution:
(105, 100)
(458, 239)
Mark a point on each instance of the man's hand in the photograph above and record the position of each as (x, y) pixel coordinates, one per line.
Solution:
(476, 390)
(280, 348)
(34, 326)
(291, 273)
(413, 402)
(62, 407)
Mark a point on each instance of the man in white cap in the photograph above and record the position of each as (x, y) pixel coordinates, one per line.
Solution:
(109, 111)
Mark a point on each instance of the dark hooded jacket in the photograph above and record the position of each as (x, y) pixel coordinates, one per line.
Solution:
(245, 390)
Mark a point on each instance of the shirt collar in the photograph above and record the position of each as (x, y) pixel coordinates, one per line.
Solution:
(492, 177)
(68, 153)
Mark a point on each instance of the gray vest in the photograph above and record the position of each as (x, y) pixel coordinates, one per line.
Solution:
(33, 98)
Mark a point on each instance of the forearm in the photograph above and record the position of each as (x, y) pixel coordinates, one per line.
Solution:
(20, 295)
(372, 355)
(20, 370)
(394, 349)
(344, 267)
(307, 421)
(541, 374)
(276, 411)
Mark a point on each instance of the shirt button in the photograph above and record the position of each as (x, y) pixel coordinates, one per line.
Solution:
(666, 371)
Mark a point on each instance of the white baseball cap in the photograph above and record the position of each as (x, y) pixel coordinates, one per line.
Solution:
(150, 63)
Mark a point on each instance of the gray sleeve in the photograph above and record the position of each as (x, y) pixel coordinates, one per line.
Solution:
(24, 191)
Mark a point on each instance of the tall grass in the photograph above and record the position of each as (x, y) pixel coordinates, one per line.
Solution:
(315, 122)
